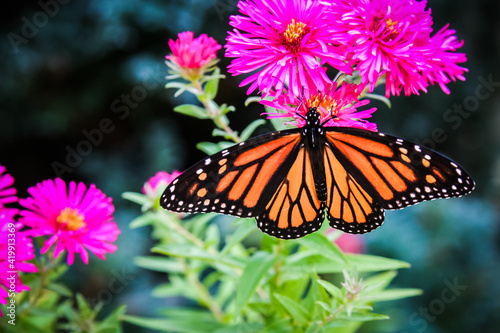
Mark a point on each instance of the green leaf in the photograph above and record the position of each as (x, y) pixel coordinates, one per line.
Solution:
(381, 98)
(295, 309)
(325, 306)
(252, 99)
(84, 310)
(257, 266)
(246, 227)
(135, 197)
(177, 286)
(369, 263)
(394, 294)
(314, 328)
(158, 264)
(280, 325)
(181, 87)
(185, 325)
(212, 84)
(192, 110)
(310, 261)
(224, 108)
(247, 132)
(112, 323)
(321, 245)
(219, 132)
(381, 280)
(332, 289)
(363, 316)
(143, 220)
(244, 327)
(60, 289)
(183, 251)
(211, 148)
(212, 236)
(193, 252)
(198, 224)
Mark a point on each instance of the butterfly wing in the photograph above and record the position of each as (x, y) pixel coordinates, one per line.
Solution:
(294, 209)
(367, 172)
(239, 180)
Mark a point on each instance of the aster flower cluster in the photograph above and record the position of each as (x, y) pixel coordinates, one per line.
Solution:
(74, 218)
(286, 46)
(393, 38)
(16, 246)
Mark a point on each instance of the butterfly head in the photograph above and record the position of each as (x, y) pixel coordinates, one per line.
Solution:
(313, 116)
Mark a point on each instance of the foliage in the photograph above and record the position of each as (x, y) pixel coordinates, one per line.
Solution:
(50, 306)
(268, 285)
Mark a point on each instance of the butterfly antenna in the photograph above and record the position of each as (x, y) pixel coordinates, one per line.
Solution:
(335, 80)
(338, 76)
(300, 104)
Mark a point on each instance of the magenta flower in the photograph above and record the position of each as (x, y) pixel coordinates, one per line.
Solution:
(191, 58)
(155, 186)
(77, 219)
(15, 251)
(443, 61)
(280, 41)
(7, 192)
(351, 243)
(338, 107)
(393, 38)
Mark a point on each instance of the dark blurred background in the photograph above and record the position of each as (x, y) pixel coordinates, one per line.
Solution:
(82, 97)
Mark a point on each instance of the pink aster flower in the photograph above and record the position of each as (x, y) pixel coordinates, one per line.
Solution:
(443, 61)
(7, 192)
(279, 42)
(351, 243)
(192, 57)
(76, 218)
(393, 38)
(155, 186)
(14, 254)
(337, 107)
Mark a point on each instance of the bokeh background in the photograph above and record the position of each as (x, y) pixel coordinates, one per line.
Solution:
(65, 71)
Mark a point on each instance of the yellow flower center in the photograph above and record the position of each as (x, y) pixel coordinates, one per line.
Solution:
(294, 32)
(327, 106)
(70, 219)
(390, 26)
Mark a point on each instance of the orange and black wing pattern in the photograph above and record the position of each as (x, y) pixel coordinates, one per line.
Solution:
(240, 180)
(367, 172)
(294, 209)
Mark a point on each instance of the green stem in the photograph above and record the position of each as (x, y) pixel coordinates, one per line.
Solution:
(177, 227)
(205, 298)
(215, 114)
(45, 269)
(278, 250)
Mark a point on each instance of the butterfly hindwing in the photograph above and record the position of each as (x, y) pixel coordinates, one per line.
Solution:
(294, 209)
(378, 171)
(350, 207)
(239, 180)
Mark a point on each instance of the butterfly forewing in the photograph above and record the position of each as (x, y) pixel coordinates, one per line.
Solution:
(386, 172)
(238, 181)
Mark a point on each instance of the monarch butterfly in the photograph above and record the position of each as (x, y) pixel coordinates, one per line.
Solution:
(286, 179)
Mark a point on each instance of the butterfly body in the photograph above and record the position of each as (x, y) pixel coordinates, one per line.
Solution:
(288, 179)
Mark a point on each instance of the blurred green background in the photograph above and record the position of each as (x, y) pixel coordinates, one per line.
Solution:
(67, 66)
